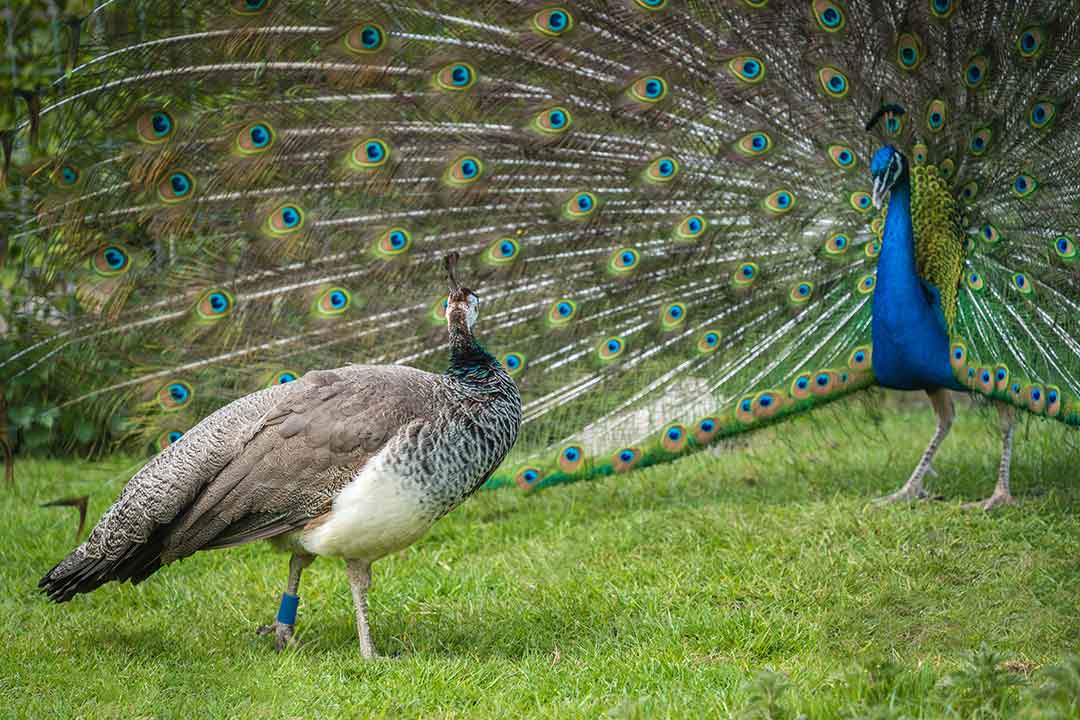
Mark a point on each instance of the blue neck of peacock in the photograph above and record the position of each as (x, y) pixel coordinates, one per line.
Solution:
(910, 338)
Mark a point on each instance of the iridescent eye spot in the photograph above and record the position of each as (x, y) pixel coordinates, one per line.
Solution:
(1042, 114)
(989, 233)
(1022, 283)
(365, 39)
(942, 9)
(248, 7)
(285, 219)
(625, 459)
(829, 15)
(561, 312)
(833, 81)
(919, 152)
(503, 251)
(514, 362)
(872, 249)
(553, 22)
(860, 358)
(662, 170)
(691, 228)
(611, 348)
(393, 242)
(935, 115)
(110, 260)
(909, 53)
(672, 316)
(1065, 247)
(976, 71)
(980, 141)
(527, 477)
(66, 176)
(456, 77)
(749, 69)
(581, 205)
(649, 89)
(254, 138)
(571, 458)
(1024, 185)
(975, 281)
(745, 274)
(369, 154)
(175, 395)
(553, 121)
(861, 201)
(168, 438)
(709, 341)
(754, 144)
(214, 305)
(1031, 42)
(958, 357)
(155, 127)
(837, 244)
(177, 187)
(865, 284)
(623, 260)
(800, 293)
(842, 156)
(969, 191)
(464, 171)
(674, 437)
(894, 125)
(652, 4)
(285, 376)
(333, 301)
(946, 167)
(779, 202)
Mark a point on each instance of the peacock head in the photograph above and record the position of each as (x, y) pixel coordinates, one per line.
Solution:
(462, 305)
(887, 168)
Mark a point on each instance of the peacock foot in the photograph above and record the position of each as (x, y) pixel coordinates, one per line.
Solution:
(907, 494)
(995, 500)
(282, 633)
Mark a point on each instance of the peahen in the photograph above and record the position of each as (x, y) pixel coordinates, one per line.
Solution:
(355, 463)
(671, 208)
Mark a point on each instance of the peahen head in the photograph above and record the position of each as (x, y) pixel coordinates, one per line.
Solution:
(887, 168)
(463, 305)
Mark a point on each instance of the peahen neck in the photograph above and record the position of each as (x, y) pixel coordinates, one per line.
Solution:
(469, 361)
(910, 339)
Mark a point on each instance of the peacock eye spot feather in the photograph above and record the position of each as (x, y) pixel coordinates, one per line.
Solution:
(333, 301)
(571, 454)
(177, 187)
(673, 316)
(707, 426)
(174, 436)
(829, 15)
(365, 39)
(456, 77)
(652, 4)
(175, 395)
(506, 248)
(285, 377)
(563, 309)
(833, 81)
(69, 175)
(248, 7)
(1031, 42)
(746, 405)
(802, 383)
(942, 8)
(464, 171)
(553, 22)
(1042, 114)
(626, 456)
(260, 135)
(514, 362)
(1015, 388)
(649, 89)
(1024, 186)
(749, 69)
(985, 376)
(110, 260)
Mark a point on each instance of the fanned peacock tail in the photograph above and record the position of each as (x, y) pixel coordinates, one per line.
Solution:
(667, 206)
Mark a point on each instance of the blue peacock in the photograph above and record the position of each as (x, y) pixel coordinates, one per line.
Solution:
(685, 220)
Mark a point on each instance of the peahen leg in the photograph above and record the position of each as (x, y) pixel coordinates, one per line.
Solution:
(283, 625)
(913, 489)
(1001, 496)
(359, 572)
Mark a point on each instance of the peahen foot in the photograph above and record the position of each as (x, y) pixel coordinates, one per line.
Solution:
(282, 633)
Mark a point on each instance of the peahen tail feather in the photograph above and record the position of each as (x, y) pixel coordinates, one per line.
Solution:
(667, 205)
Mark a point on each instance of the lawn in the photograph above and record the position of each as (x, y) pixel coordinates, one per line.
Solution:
(756, 581)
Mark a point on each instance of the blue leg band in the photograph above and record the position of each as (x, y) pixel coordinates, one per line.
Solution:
(286, 614)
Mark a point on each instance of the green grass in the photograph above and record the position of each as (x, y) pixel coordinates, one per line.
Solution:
(754, 582)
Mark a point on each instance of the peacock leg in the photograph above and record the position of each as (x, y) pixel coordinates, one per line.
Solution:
(1001, 496)
(359, 572)
(913, 488)
(283, 625)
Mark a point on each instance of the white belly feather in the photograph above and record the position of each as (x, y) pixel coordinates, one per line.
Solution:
(374, 515)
